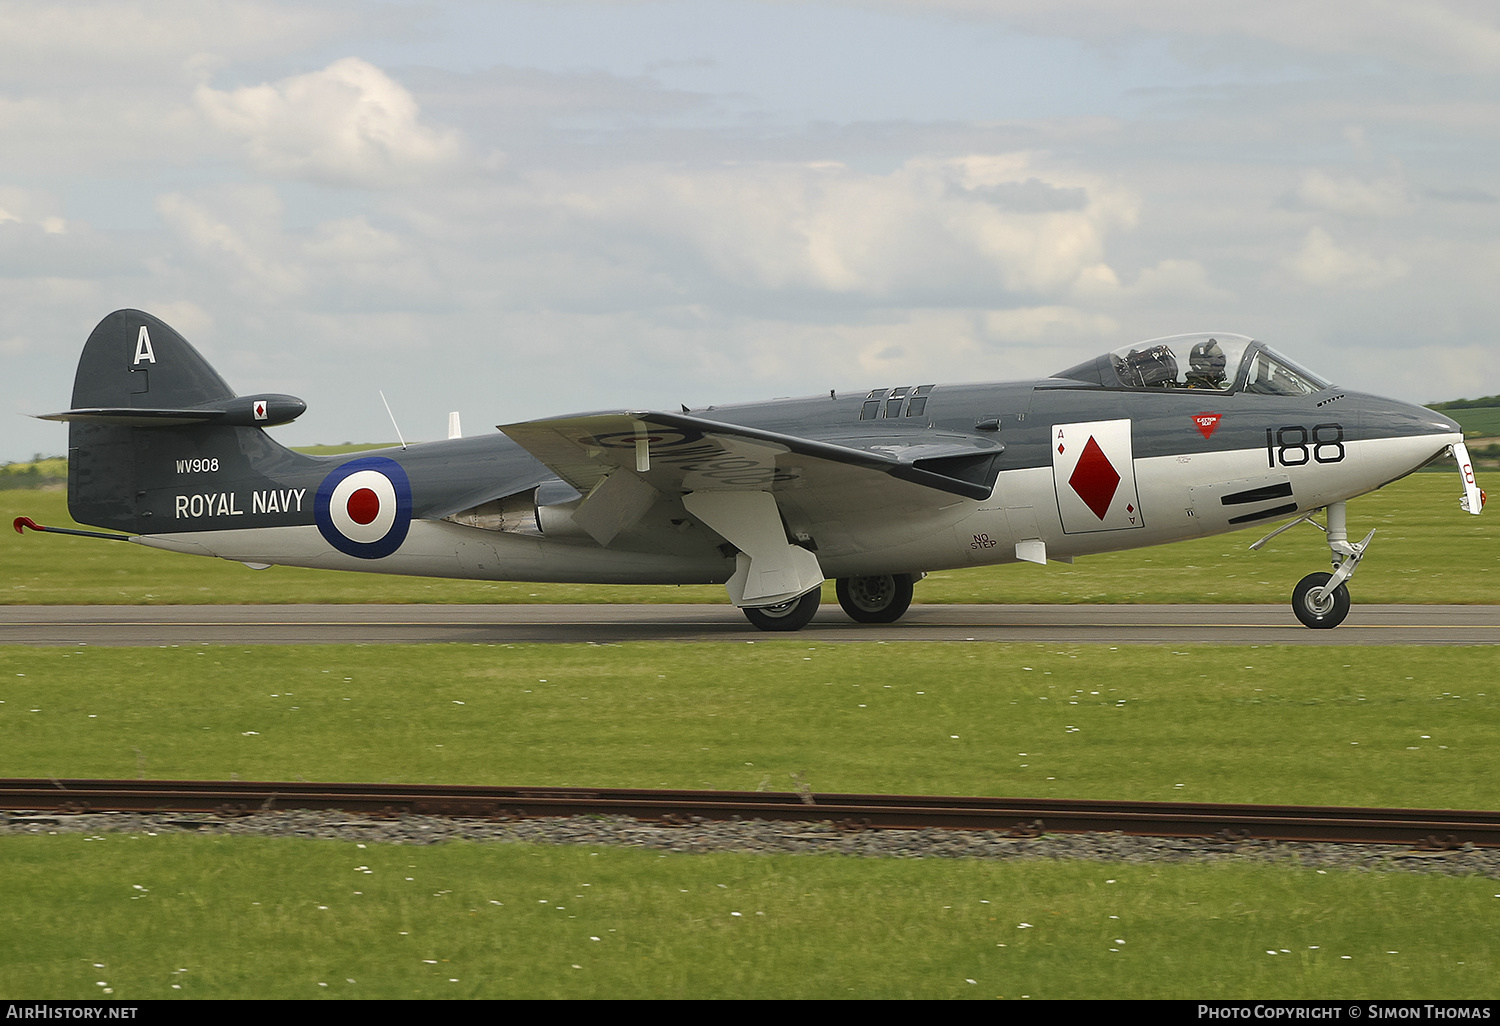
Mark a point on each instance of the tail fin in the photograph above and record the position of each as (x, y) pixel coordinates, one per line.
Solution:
(135, 361)
(147, 409)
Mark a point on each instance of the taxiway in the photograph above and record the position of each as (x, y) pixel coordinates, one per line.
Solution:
(613, 624)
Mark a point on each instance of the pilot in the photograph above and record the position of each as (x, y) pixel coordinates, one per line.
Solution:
(1206, 366)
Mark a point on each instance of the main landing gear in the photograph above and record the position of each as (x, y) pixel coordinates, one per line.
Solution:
(786, 616)
(880, 599)
(1321, 601)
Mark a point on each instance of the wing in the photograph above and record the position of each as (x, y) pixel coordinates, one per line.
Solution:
(750, 485)
(676, 454)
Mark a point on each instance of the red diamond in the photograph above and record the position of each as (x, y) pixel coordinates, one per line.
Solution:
(1059, 448)
(1095, 479)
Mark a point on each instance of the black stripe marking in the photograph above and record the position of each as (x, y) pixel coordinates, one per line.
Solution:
(1265, 514)
(1262, 494)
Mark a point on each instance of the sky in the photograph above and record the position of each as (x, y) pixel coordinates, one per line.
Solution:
(521, 209)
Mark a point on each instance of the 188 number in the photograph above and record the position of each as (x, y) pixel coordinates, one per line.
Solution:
(1292, 446)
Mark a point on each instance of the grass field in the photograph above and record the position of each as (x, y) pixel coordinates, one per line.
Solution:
(135, 918)
(142, 916)
(1378, 725)
(1425, 550)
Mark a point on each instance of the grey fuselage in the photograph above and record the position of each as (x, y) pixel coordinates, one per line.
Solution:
(1066, 467)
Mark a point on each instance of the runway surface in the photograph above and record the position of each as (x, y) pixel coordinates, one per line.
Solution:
(612, 624)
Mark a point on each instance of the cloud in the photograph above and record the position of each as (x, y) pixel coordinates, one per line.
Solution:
(1447, 35)
(929, 232)
(749, 358)
(349, 124)
(239, 241)
(1048, 324)
(1321, 262)
(1461, 195)
(26, 206)
(191, 320)
(515, 99)
(1354, 197)
(1171, 280)
(77, 45)
(105, 88)
(234, 239)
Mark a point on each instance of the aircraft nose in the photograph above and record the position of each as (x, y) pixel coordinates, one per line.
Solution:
(1398, 437)
(1434, 422)
(1393, 417)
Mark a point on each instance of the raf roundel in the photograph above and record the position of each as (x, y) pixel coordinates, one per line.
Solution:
(364, 507)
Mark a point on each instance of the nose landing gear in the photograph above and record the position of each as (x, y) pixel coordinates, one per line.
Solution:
(1321, 601)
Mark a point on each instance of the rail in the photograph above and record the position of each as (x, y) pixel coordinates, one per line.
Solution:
(1435, 829)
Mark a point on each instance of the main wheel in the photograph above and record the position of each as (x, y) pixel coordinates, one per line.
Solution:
(875, 599)
(1316, 608)
(788, 616)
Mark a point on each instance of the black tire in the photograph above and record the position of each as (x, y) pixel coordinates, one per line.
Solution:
(1330, 613)
(883, 599)
(788, 616)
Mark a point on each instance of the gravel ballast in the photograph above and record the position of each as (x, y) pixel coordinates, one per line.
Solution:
(766, 837)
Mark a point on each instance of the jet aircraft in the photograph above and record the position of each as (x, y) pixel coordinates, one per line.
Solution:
(1173, 438)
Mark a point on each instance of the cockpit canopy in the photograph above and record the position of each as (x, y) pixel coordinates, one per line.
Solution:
(1213, 362)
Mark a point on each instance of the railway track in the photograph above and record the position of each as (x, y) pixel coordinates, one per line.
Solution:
(1433, 829)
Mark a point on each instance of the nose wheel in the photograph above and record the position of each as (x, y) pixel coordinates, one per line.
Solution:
(1317, 605)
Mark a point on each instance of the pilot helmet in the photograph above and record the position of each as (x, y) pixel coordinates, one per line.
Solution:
(1206, 361)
